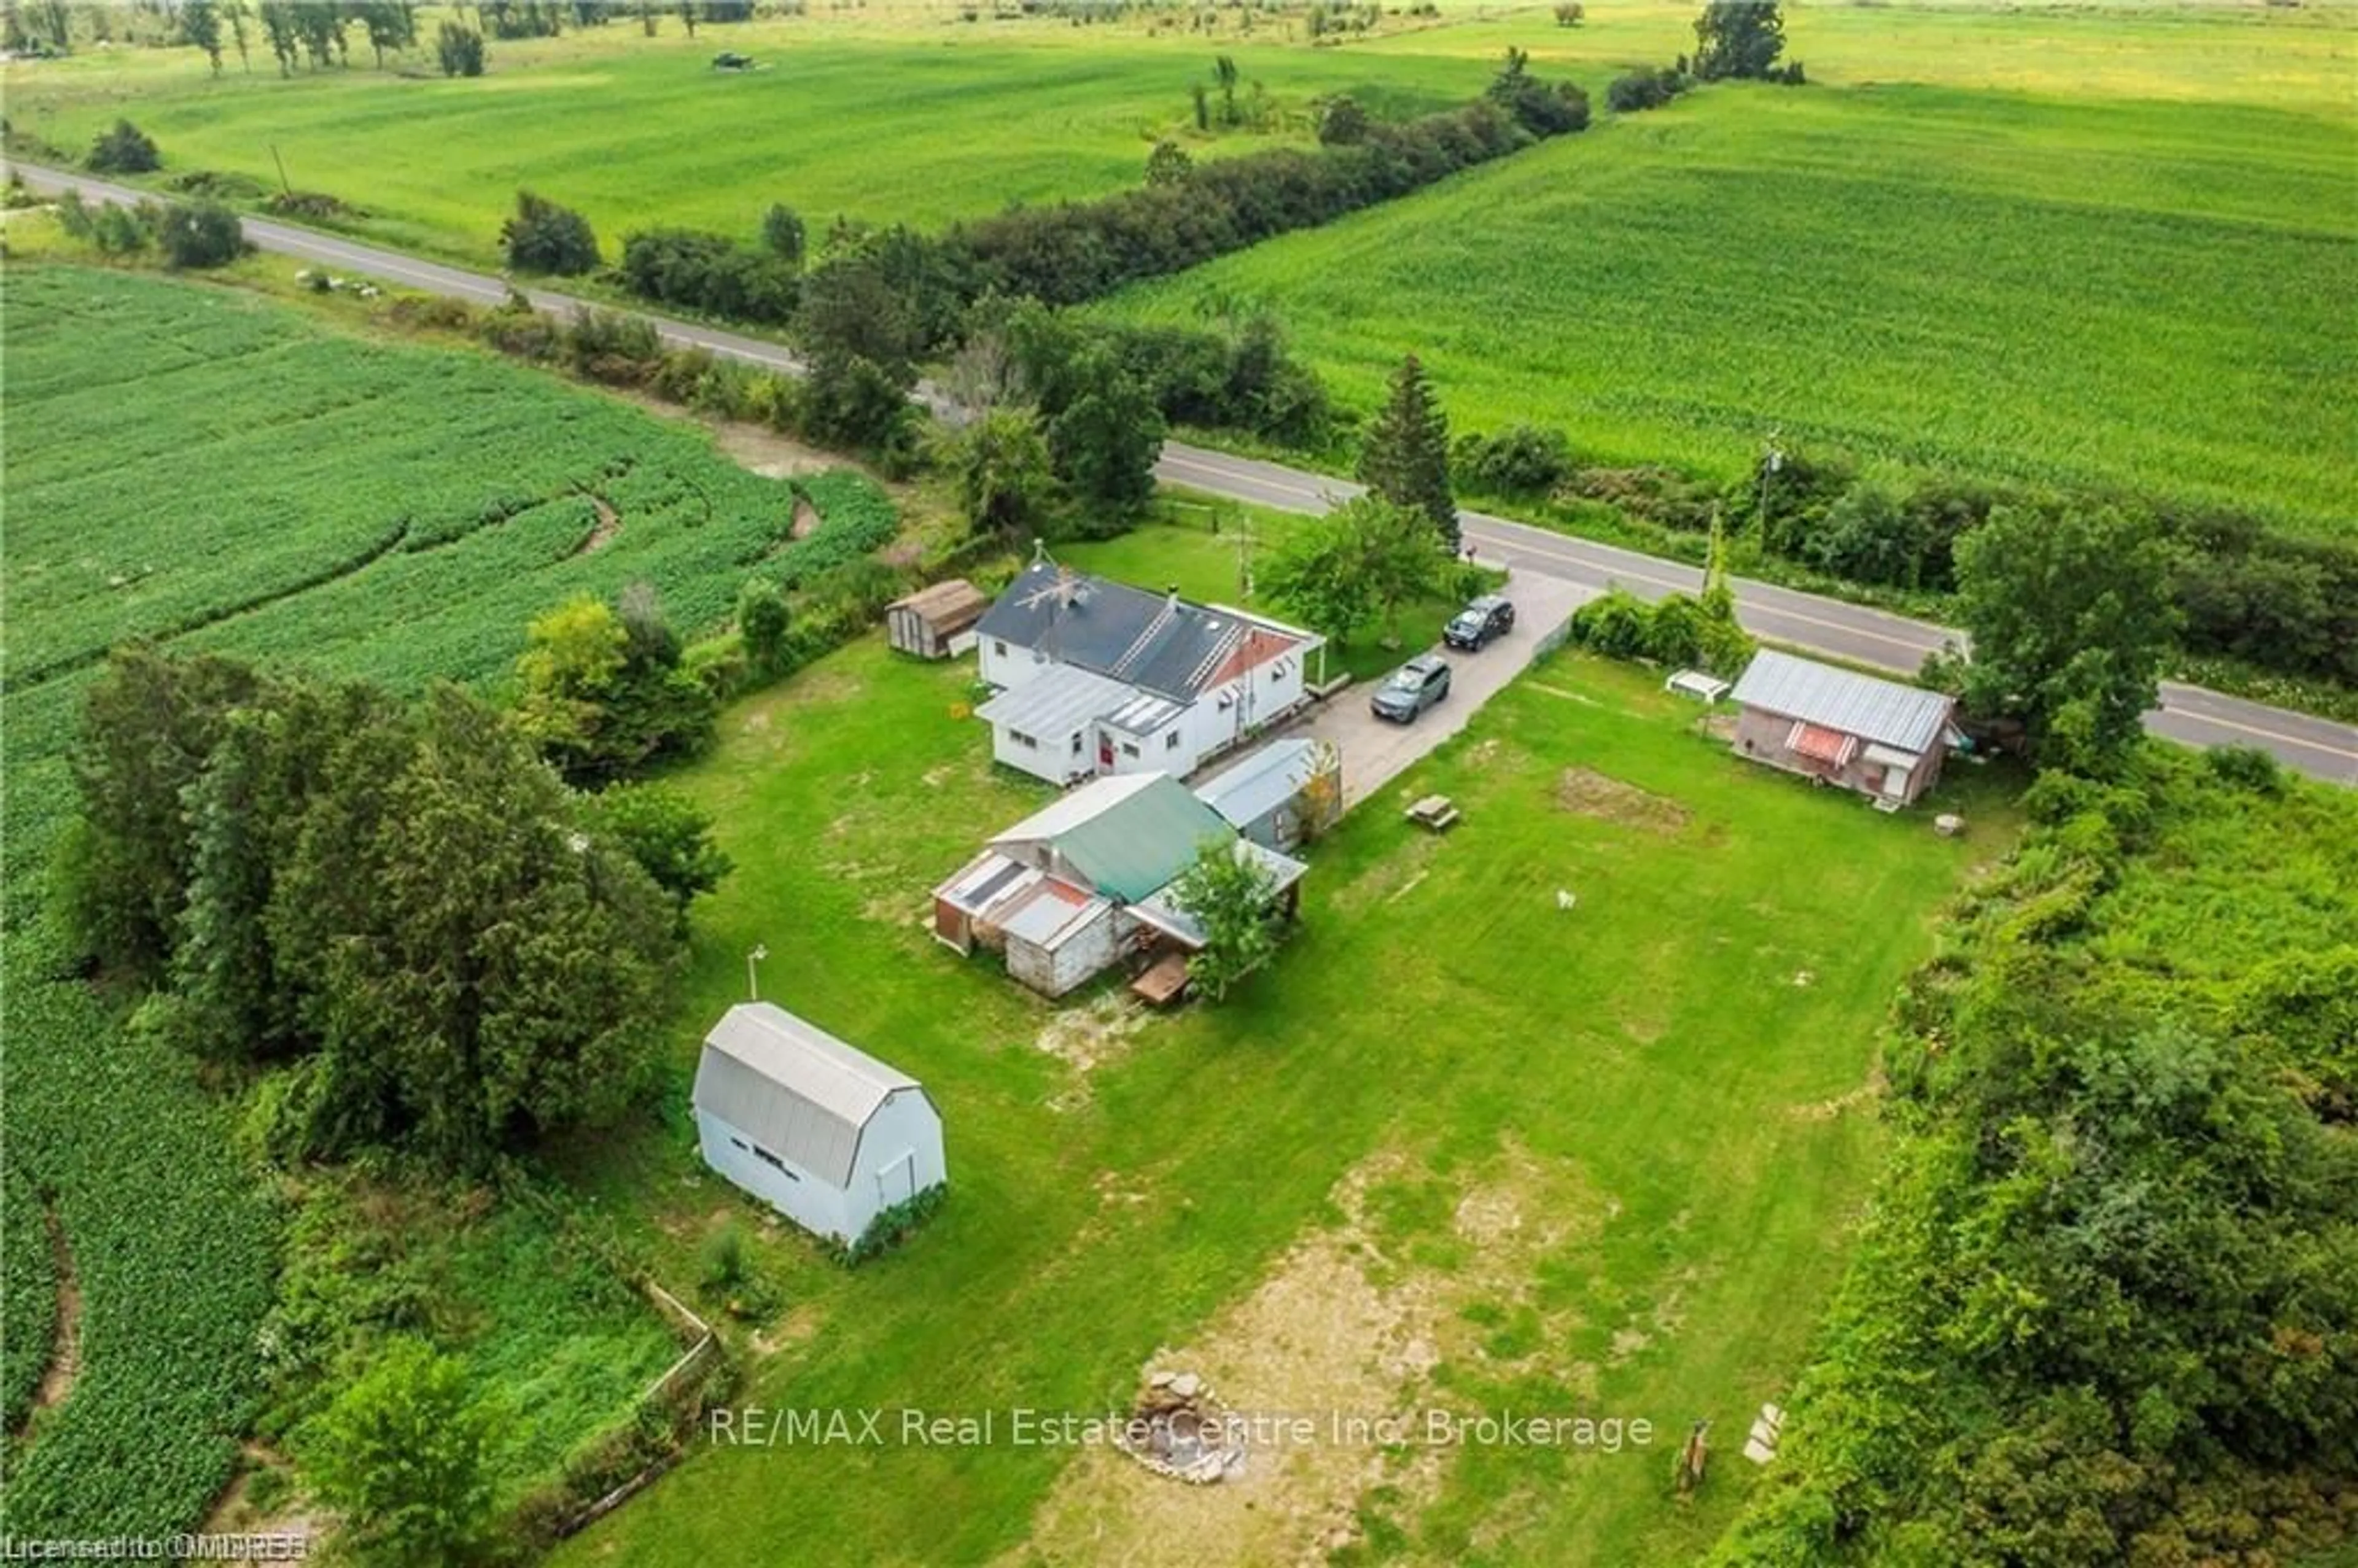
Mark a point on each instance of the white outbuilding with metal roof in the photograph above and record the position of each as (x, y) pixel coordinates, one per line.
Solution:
(819, 1129)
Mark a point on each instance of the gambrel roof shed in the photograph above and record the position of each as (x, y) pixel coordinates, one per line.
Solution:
(793, 1087)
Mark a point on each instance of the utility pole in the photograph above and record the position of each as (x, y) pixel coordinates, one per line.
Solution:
(752, 982)
(281, 162)
(1770, 463)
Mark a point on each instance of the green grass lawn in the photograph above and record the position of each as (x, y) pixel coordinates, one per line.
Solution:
(1685, 1051)
(2106, 291)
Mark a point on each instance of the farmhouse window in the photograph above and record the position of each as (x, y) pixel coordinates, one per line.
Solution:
(999, 647)
(1171, 740)
(1021, 739)
(1077, 743)
(1129, 749)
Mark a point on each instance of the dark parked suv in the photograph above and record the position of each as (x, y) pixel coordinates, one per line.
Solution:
(1487, 617)
(1411, 688)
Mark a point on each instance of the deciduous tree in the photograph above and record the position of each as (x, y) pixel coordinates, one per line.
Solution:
(1229, 897)
(2070, 614)
(1738, 39)
(404, 1455)
(1006, 480)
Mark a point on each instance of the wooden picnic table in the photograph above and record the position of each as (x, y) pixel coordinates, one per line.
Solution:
(1434, 811)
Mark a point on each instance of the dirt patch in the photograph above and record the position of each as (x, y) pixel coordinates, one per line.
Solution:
(798, 1327)
(1589, 792)
(65, 1355)
(1094, 1033)
(1860, 1099)
(610, 522)
(764, 451)
(1346, 1332)
(807, 518)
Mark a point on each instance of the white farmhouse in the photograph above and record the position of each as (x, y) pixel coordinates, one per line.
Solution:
(821, 1131)
(1098, 678)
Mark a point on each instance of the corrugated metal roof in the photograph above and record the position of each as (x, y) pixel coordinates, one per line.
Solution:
(1128, 834)
(1056, 702)
(1262, 782)
(1164, 912)
(1143, 714)
(1902, 715)
(793, 1087)
(953, 604)
(1048, 913)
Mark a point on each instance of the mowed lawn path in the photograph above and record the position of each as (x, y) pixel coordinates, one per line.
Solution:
(1685, 1047)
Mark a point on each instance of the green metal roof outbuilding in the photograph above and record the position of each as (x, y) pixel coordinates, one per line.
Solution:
(1127, 835)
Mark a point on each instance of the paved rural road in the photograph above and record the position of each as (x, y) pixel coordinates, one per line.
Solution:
(2320, 747)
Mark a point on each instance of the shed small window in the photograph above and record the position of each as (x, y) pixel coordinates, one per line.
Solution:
(767, 1158)
(742, 1144)
(1021, 739)
(1077, 743)
(999, 646)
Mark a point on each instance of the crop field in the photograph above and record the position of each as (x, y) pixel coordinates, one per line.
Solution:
(2101, 292)
(909, 127)
(283, 493)
(28, 1306)
(1656, 1128)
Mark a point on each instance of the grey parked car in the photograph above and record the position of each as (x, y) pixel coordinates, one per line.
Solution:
(1409, 690)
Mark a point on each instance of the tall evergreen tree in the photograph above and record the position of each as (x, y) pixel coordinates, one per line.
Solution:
(1406, 459)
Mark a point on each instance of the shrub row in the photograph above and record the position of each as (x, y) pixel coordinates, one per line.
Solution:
(1083, 250)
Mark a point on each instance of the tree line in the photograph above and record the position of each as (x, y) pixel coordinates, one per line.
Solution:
(397, 900)
(2102, 1308)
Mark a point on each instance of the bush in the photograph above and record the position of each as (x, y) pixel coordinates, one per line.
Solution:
(205, 234)
(459, 50)
(2245, 767)
(723, 1259)
(123, 148)
(710, 272)
(1522, 460)
(613, 347)
(543, 237)
(1641, 90)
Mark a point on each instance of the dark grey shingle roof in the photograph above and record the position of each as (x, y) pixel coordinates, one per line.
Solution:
(1115, 630)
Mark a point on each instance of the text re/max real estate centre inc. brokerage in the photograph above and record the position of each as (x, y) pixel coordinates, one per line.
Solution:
(1021, 1426)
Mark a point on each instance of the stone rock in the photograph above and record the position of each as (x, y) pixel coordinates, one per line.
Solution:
(1161, 1380)
(1186, 1385)
(1759, 1452)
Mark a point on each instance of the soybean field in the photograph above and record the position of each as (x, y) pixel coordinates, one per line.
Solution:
(277, 491)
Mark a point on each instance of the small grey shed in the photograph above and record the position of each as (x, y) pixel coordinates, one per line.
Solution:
(819, 1129)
